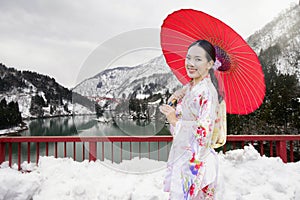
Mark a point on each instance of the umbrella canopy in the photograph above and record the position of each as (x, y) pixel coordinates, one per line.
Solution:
(240, 76)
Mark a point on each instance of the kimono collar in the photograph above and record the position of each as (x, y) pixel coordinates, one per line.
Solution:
(205, 78)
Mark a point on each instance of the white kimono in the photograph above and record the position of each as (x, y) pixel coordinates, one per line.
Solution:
(192, 167)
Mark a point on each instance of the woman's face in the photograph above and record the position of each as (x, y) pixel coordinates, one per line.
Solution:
(196, 63)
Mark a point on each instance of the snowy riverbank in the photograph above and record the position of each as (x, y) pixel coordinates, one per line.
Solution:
(244, 175)
(14, 130)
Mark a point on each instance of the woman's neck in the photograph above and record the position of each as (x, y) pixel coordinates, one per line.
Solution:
(198, 80)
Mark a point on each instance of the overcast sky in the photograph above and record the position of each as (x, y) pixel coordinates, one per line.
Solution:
(55, 37)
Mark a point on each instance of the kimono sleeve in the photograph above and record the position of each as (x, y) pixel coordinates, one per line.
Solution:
(196, 135)
(206, 119)
(174, 129)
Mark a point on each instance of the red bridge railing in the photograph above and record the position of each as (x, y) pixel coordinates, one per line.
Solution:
(95, 147)
(283, 146)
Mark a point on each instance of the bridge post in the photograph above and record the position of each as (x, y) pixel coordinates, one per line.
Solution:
(92, 151)
(2, 152)
(281, 150)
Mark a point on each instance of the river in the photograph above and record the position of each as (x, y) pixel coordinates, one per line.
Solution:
(89, 126)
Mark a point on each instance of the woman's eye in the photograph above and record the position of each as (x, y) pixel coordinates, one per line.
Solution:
(198, 59)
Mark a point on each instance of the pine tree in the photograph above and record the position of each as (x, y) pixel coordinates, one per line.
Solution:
(9, 114)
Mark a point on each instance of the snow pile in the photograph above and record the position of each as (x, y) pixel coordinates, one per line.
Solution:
(244, 174)
(15, 185)
(247, 175)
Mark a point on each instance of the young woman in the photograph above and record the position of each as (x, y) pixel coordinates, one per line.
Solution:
(198, 125)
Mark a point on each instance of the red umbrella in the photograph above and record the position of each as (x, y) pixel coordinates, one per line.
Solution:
(240, 76)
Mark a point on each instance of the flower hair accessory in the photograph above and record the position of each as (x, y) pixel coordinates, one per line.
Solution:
(217, 64)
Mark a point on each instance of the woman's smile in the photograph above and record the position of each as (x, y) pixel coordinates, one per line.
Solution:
(192, 70)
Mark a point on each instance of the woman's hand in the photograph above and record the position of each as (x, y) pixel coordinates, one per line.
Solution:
(179, 94)
(169, 112)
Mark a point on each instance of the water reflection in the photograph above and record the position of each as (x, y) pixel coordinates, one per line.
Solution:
(51, 127)
(89, 126)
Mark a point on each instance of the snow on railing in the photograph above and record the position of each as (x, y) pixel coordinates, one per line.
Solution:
(94, 146)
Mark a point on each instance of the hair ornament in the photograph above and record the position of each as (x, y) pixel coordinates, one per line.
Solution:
(217, 64)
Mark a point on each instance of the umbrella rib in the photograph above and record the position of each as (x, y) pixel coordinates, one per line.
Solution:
(241, 93)
(178, 69)
(256, 66)
(254, 81)
(210, 23)
(221, 77)
(214, 35)
(172, 44)
(225, 36)
(257, 70)
(235, 47)
(218, 30)
(258, 80)
(251, 90)
(241, 61)
(182, 78)
(175, 52)
(242, 85)
(204, 23)
(252, 74)
(207, 24)
(227, 95)
(199, 31)
(213, 30)
(176, 60)
(178, 37)
(233, 41)
(172, 48)
(257, 92)
(245, 58)
(193, 34)
(249, 66)
(244, 53)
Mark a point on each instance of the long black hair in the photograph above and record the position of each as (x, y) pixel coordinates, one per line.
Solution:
(210, 55)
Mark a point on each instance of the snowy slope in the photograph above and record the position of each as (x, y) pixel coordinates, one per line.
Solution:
(121, 81)
(284, 27)
(23, 86)
(244, 175)
(283, 31)
(23, 97)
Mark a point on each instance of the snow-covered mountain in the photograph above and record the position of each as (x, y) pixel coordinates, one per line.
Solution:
(282, 34)
(122, 82)
(37, 95)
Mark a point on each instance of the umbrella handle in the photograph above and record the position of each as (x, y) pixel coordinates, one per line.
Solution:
(179, 95)
(172, 102)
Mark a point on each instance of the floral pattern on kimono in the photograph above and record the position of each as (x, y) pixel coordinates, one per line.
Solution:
(192, 166)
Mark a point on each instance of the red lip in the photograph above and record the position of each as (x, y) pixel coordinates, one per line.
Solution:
(192, 71)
